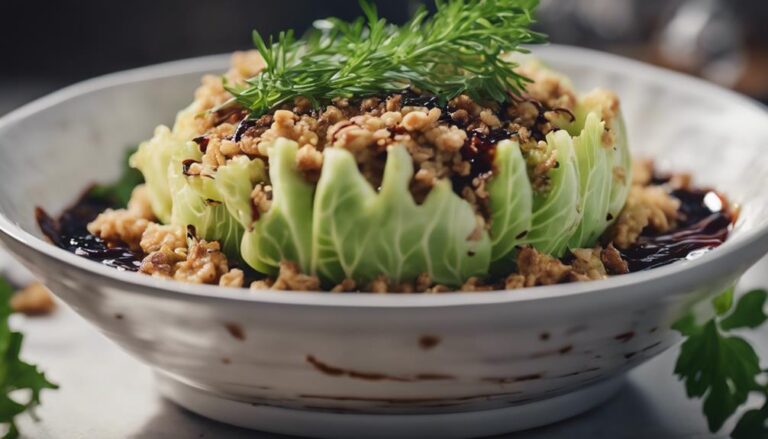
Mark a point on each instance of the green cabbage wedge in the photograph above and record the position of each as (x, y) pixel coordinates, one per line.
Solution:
(153, 158)
(197, 203)
(360, 233)
(284, 232)
(344, 228)
(511, 201)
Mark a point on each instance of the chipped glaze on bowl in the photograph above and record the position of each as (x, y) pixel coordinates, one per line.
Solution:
(337, 365)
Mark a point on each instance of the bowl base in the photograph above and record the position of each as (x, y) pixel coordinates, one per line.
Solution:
(341, 425)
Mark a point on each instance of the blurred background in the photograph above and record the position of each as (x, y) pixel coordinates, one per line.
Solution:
(48, 44)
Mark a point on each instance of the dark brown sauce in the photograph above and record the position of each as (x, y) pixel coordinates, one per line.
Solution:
(704, 223)
(70, 232)
(202, 143)
(480, 151)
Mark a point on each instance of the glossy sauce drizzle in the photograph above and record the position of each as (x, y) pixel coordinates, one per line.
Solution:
(70, 232)
(705, 221)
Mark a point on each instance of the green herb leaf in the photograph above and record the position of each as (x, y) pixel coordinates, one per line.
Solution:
(119, 193)
(752, 425)
(724, 302)
(687, 326)
(460, 49)
(15, 374)
(720, 369)
(748, 313)
(724, 369)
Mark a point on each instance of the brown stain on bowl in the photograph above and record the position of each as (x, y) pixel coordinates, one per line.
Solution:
(562, 351)
(235, 330)
(427, 342)
(336, 371)
(579, 372)
(625, 337)
(514, 379)
(119, 316)
(411, 400)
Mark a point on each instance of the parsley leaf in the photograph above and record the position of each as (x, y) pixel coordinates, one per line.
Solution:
(724, 302)
(748, 313)
(118, 193)
(720, 369)
(724, 369)
(15, 374)
(752, 425)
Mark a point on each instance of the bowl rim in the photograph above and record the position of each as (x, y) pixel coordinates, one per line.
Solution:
(753, 243)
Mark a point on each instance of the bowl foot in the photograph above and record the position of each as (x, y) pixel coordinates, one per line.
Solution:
(335, 425)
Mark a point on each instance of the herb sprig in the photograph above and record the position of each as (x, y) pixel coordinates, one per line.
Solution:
(457, 50)
(722, 368)
(15, 374)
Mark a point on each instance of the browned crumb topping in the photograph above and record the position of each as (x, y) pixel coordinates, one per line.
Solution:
(205, 264)
(613, 261)
(158, 236)
(647, 206)
(33, 300)
(290, 278)
(261, 198)
(536, 268)
(642, 172)
(234, 278)
(588, 262)
(125, 225)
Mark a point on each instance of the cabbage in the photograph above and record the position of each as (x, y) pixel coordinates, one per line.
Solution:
(595, 163)
(195, 202)
(556, 213)
(284, 232)
(598, 102)
(511, 200)
(152, 159)
(622, 159)
(361, 234)
(342, 227)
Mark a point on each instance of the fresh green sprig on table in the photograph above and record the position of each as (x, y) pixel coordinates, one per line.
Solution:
(722, 368)
(15, 374)
(458, 49)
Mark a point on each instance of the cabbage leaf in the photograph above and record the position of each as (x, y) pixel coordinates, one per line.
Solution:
(511, 200)
(284, 232)
(595, 163)
(360, 233)
(556, 212)
(153, 158)
(193, 207)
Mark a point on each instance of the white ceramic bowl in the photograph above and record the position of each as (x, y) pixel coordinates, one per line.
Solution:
(334, 365)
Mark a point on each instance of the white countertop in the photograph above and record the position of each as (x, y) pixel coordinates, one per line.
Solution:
(107, 394)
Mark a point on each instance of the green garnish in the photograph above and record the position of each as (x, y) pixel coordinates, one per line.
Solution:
(118, 193)
(457, 50)
(14, 373)
(723, 368)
